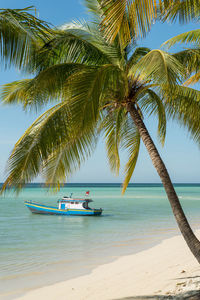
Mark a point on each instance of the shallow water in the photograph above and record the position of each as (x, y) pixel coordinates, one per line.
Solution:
(33, 247)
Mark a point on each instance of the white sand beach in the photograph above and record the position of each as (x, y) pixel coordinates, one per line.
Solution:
(165, 269)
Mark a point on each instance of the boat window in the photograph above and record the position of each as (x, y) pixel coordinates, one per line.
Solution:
(72, 202)
(76, 203)
(85, 205)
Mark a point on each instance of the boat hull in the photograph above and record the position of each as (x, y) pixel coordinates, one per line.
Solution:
(50, 210)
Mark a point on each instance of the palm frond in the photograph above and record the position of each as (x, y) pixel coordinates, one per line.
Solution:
(67, 120)
(15, 92)
(136, 56)
(40, 143)
(150, 104)
(192, 36)
(121, 133)
(94, 8)
(68, 157)
(25, 161)
(20, 31)
(160, 67)
(190, 58)
(112, 24)
(47, 85)
(112, 126)
(139, 14)
(193, 79)
(184, 108)
(183, 10)
(132, 144)
(77, 42)
(86, 91)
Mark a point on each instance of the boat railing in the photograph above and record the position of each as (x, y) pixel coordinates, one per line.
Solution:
(32, 202)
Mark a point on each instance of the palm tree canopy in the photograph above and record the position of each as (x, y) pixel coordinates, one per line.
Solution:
(92, 82)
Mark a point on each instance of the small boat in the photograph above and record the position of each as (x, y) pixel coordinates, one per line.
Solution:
(66, 206)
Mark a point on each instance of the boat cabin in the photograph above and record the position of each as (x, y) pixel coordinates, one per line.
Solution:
(69, 203)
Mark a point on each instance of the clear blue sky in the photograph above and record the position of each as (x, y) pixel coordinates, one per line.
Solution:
(181, 155)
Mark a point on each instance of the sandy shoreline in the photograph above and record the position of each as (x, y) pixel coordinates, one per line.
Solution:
(165, 269)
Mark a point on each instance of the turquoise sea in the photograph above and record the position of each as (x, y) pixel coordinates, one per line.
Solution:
(37, 250)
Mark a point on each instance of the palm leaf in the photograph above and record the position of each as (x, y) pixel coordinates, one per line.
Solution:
(192, 36)
(150, 103)
(112, 126)
(184, 108)
(183, 10)
(120, 132)
(19, 33)
(47, 85)
(193, 79)
(34, 146)
(136, 56)
(15, 92)
(41, 141)
(77, 42)
(135, 17)
(112, 24)
(68, 156)
(86, 90)
(132, 144)
(138, 14)
(94, 8)
(190, 58)
(159, 67)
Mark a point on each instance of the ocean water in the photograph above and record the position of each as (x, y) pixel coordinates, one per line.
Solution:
(37, 250)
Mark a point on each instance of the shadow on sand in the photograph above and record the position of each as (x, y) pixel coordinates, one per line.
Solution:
(191, 295)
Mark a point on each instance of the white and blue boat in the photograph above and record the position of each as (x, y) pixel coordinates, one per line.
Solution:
(66, 206)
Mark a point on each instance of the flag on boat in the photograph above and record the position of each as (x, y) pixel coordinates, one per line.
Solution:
(87, 193)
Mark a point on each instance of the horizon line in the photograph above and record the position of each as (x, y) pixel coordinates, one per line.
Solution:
(43, 183)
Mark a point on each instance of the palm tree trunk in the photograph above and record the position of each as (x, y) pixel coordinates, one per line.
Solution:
(191, 240)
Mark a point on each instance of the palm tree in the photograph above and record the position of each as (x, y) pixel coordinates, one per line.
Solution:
(100, 88)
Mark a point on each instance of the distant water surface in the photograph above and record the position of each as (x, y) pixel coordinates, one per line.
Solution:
(37, 250)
